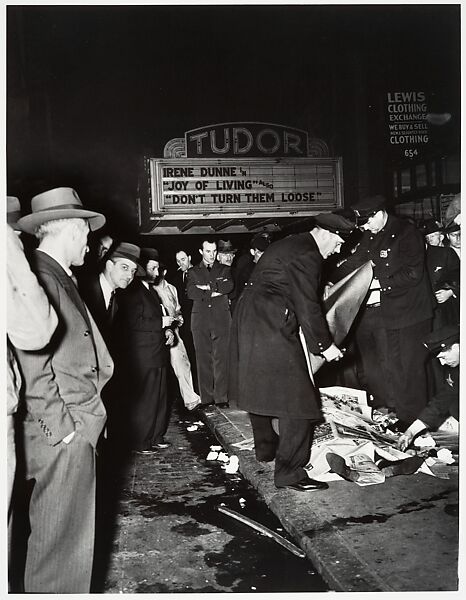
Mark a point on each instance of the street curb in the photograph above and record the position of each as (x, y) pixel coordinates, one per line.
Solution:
(338, 564)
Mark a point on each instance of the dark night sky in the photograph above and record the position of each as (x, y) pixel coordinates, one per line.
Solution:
(123, 80)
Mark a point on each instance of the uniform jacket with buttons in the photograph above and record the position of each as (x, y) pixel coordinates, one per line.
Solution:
(398, 253)
(268, 370)
(63, 381)
(208, 311)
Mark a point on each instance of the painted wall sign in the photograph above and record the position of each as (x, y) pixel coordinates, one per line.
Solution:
(407, 122)
(213, 186)
(225, 140)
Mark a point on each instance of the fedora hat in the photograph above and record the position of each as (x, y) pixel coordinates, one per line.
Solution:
(59, 203)
(13, 211)
(149, 254)
(130, 252)
(431, 226)
(225, 246)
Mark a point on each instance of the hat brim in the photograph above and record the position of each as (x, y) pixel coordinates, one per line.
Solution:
(140, 272)
(29, 223)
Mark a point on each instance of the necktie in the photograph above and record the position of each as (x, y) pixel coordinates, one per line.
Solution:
(111, 309)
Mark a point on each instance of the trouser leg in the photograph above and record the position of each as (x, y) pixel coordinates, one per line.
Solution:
(408, 369)
(220, 345)
(205, 375)
(373, 358)
(265, 438)
(62, 516)
(294, 449)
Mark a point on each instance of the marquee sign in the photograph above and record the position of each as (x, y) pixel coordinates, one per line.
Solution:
(219, 186)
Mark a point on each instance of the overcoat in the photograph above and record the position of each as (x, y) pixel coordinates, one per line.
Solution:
(443, 267)
(268, 370)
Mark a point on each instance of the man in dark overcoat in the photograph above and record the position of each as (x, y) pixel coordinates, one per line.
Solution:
(64, 410)
(397, 314)
(144, 342)
(208, 286)
(269, 376)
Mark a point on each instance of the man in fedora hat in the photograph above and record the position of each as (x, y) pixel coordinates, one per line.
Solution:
(208, 286)
(246, 263)
(432, 231)
(225, 252)
(444, 344)
(269, 375)
(100, 290)
(64, 411)
(146, 337)
(397, 314)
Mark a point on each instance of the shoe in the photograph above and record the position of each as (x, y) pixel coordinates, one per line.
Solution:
(144, 451)
(192, 405)
(306, 485)
(161, 445)
(338, 465)
(406, 466)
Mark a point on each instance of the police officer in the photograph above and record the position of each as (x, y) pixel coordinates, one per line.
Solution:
(397, 314)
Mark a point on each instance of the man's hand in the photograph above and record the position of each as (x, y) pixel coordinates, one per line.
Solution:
(170, 337)
(405, 440)
(443, 295)
(332, 353)
(179, 320)
(167, 321)
(203, 286)
(213, 294)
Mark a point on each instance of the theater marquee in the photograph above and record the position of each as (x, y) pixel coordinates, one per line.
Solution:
(200, 186)
(236, 177)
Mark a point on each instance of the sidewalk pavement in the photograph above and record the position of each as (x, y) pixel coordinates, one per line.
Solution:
(391, 537)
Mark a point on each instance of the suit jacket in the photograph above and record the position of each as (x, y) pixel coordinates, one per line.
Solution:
(209, 311)
(268, 369)
(139, 323)
(63, 381)
(398, 253)
(186, 303)
(92, 294)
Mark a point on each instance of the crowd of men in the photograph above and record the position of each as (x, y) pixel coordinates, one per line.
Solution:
(89, 353)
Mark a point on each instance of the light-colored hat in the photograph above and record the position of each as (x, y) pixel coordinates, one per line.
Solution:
(130, 252)
(59, 203)
(13, 211)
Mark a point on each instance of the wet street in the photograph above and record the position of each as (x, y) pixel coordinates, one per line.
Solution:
(165, 533)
